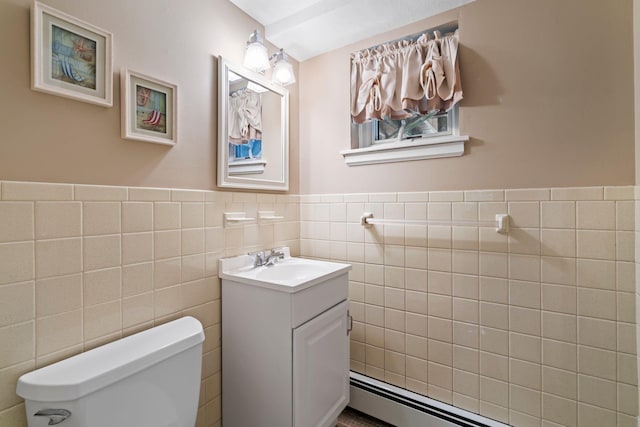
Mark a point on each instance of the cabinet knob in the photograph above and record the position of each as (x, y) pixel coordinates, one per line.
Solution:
(349, 322)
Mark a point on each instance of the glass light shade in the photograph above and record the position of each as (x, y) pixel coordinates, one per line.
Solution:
(283, 73)
(256, 57)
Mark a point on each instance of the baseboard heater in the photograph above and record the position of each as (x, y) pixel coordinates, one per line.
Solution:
(403, 408)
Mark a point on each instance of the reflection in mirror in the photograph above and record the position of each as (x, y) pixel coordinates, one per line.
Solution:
(245, 126)
(253, 130)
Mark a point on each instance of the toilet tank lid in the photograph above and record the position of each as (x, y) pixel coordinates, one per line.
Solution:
(87, 372)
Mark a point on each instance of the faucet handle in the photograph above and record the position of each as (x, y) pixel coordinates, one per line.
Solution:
(276, 254)
(258, 258)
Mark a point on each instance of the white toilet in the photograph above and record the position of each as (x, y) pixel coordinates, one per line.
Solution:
(150, 379)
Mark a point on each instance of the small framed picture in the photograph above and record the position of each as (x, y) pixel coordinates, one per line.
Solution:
(69, 57)
(148, 108)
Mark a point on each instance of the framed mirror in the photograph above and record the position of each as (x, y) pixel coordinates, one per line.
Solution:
(253, 130)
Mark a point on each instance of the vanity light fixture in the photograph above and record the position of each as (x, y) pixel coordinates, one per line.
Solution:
(282, 70)
(256, 58)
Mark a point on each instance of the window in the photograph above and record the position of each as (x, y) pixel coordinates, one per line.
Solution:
(404, 97)
(375, 132)
(422, 137)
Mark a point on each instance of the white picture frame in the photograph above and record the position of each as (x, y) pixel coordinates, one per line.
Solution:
(69, 57)
(148, 108)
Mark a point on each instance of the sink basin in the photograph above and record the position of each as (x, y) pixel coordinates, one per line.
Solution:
(289, 275)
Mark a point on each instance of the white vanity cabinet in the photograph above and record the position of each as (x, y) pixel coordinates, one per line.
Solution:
(285, 349)
(321, 368)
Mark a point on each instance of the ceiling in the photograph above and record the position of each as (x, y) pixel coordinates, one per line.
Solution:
(306, 28)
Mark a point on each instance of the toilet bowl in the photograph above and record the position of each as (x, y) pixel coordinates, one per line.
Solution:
(150, 379)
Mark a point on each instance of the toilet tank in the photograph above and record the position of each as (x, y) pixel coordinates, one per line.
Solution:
(150, 379)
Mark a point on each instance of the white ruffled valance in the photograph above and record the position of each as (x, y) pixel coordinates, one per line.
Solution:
(245, 115)
(397, 80)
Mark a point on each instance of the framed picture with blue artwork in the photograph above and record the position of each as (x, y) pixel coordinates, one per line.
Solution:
(69, 57)
(149, 108)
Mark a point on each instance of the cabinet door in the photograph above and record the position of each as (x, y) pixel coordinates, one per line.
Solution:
(321, 368)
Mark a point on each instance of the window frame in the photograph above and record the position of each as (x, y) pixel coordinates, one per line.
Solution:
(367, 137)
(450, 144)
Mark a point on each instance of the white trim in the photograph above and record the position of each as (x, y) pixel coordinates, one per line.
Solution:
(245, 167)
(415, 149)
(250, 181)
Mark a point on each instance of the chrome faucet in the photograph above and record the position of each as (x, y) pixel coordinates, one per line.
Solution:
(258, 258)
(273, 257)
(267, 258)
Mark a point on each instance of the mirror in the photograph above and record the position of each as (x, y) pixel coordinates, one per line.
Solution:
(253, 130)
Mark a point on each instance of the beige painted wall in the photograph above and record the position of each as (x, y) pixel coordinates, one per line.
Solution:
(548, 102)
(49, 138)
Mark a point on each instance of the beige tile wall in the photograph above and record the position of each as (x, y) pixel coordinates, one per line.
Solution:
(534, 327)
(84, 265)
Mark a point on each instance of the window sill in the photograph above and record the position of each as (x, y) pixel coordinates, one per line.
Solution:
(425, 148)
